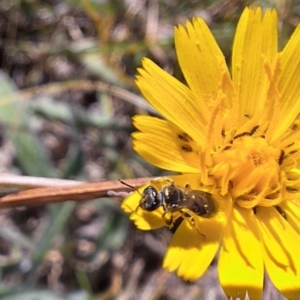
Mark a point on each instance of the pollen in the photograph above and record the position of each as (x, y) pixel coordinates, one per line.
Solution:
(249, 170)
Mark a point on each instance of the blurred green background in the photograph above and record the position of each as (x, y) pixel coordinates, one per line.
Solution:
(67, 96)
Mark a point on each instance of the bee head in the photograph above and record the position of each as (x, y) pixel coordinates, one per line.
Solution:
(151, 199)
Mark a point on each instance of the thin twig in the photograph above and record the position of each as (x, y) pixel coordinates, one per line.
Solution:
(80, 192)
(26, 182)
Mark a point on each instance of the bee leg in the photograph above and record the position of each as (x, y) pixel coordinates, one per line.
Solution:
(191, 220)
(168, 218)
(187, 188)
(188, 217)
(170, 181)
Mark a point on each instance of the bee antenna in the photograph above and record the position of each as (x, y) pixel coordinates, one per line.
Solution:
(126, 184)
(131, 186)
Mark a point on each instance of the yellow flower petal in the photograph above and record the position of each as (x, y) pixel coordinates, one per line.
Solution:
(165, 145)
(194, 180)
(168, 160)
(172, 99)
(200, 59)
(189, 253)
(196, 241)
(240, 263)
(292, 211)
(254, 41)
(281, 246)
(289, 82)
(142, 219)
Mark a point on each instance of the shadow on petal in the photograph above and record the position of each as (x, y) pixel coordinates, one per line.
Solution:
(281, 244)
(241, 257)
(189, 253)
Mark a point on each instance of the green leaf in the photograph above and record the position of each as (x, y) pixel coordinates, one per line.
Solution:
(10, 104)
(29, 151)
(31, 155)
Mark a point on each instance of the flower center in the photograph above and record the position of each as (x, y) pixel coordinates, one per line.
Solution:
(249, 169)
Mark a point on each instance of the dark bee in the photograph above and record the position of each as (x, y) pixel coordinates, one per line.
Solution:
(173, 198)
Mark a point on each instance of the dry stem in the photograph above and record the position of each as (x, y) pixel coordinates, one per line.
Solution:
(79, 192)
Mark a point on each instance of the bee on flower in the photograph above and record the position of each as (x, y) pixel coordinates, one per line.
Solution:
(233, 135)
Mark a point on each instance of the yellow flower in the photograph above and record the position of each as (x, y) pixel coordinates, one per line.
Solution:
(234, 135)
